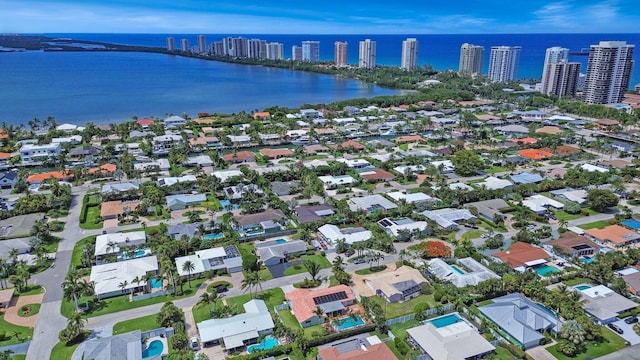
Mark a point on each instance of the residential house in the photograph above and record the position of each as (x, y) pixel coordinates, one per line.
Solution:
(174, 121)
(69, 128)
(402, 228)
(370, 348)
(522, 256)
(32, 153)
(468, 272)
(205, 142)
(334, 182)
(225, 175)
(409, 139)
(114, 209)
(311, 213)
(444, 166)
(239, 157)
(512, 129)
(376, 175)
(62, 175)
(237, 192)
(276, 153)
(183, 201)
(8, 179)
(103, 170)
(351, 145)
(569, 194)
(156, 164)
(535, 154)
(614, 235)
(177, 231)
(82, 152)
(108, 278)
(457, 341)
(604, 304)
(526, 178)
(137, 135)
(145, 123)
(165, 142)
(276, 251)
(495, 183)
(521, 318)
(259, 223)
(399, 285)
(539, 204)
(226, 259)
(333, 301)
(331, 234)
(240, 140)
(633, 282)
(607, 124)
(449, 218)
(122, 346)
(284, 188)
(592, 168)
(315, 149)
(410, 198)
(371, 203)
(199, 160)
(107, 244)
(116, 188)
(573, 245)
(172, 180)
(409, 169)
(489, 209)
(357, 164)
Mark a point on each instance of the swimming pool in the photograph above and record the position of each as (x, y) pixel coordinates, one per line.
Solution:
(156, 283)
(583, 287)
(546, 270)
(212, 236)
(457, 269)
(137, 254)
(348, 323)
(281, 241)
(445, 320)
(631, 223)
(227, 205)
(587, 259)
(155, 348)
(268, 343)
(546, 309)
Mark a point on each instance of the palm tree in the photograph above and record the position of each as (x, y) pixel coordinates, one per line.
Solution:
(123, 285)
(251, 279)
(137, 280)
(338, 264)
(76, 322)
(313, 268)
(206, 299)
(573, 331)
(188, 266)
(72, 287)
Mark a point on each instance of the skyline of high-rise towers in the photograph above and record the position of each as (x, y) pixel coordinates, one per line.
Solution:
(311, 51)
(367, 54)
(608, 72)
(409, 58)
(471, 58)
(340, 57)
(503, 63)
(559, 76)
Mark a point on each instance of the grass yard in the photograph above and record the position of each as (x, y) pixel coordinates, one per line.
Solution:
(144, 323)
(611, 343)
(265, 274)
(116, 304)
(76, 256)
(577, 281)
(314, 331)
(319, 259)
(371, 270)
(496, 169)
(14, 334)
(271, 297)
(93, 221)
(400, 331)
(19, 357)
(595, 225)
(31, 289)
(65, 350)
(563, 215)
(472, 234)
(57, 213)
(29, 310)
(289, 320)
(503, 353)
(398, 309)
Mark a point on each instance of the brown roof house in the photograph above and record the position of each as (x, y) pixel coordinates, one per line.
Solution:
(113, 209)
(522, 256)
(239, 157)
(276, 153)
(574, 245)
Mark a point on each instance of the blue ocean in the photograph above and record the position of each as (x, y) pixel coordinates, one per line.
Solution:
(110, 87)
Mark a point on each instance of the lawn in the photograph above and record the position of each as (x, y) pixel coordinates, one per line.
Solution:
(314, 331)
(371, 270)
(93, 221)
(496, 169)
(598, 224)
(14, 334)
(65, 350)
(563, 215)
(319, 259)
(33, 309)
(19, 357)
(271, 297)
(611, 343)
(31, 289)
(394, 310)
(57, 213)
(144, 323)
(265, 274)
(289, 320)
(472, 234)
(116, 304)
(76, 256)
(577, 281)
(503, 354)
(400, 331)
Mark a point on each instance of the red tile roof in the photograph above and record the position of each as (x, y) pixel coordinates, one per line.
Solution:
(4, 155)
(374, 352)
(106, 168)
(409, 138)
(276, 153)
(612, 233)
(526, 140)
(535, 154)
(521, 253)
(377, 174)
(350, 143)
(240, 155)
(60, 175)
(303, 304)
(145, 122)
(263, 114)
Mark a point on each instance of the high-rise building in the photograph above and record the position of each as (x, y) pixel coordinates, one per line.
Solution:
(471, 57)
(311, 51)
(227, 43)
(257, 49)
(171, 44)
(184, 45)
(409, 53)
(217, 48)
(202, 44)
(241, 47)
(367, 54)
(561, 78)
(341, 53)
(608, 72)
(503, 63)
(553, 55)
(275, 51)
(296, 53)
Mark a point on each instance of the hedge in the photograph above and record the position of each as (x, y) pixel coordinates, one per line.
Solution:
(278, 350)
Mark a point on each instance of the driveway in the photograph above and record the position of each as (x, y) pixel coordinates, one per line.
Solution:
(277, 271)
(11, 315)
(628, 334)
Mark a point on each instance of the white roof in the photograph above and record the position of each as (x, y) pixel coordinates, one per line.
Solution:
(494, 183)
(168, 181)
(592, 168)
(102, 241)
(412, 168)
(451, 342)
(315, 163)
(576, 230)
(447, 165)
(627, 271)
(460, 186)
(107, 277)
(562, 118)
(333, 234)
(235, 329)
(225, 175)
(371, 203)
(69, 127)
(239, 138)
(448, 217)
(409, 198)
(540, 203)
(474, 273)
(208, 259)
(354, 162)
(337, 180)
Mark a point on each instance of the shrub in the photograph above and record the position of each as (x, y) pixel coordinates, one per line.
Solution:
(437, 296)
(3, 333)
(402, 346)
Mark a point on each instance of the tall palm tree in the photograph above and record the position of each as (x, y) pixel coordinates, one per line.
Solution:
(123, 285)
(72, 287)
(251, 279)
(313, 268)
(188, 266)
(136, 280)
(205, 299)
(76, 322)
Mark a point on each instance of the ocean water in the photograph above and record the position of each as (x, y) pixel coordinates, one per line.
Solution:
(111, 87)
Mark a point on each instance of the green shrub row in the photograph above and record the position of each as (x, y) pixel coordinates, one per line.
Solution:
(278, 350)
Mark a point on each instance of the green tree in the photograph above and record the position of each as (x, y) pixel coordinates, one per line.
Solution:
(313, 268)
(188, 266)
(600, 200)
(170, 315)
(573, 332)
(467, 162)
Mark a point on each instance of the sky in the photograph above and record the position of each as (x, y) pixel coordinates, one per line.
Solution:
(320, 17)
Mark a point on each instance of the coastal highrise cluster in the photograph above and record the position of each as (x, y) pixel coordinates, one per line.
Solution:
(608, 72)
(409, 54)
(311, 51)
(503, 63)
(559, 76)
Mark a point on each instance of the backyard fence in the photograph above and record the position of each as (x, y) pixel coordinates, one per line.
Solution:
(284, 306)
(152, 295)
(428, 313)
(166, 332)
(267, 235)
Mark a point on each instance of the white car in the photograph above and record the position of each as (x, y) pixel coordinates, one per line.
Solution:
(195, 343)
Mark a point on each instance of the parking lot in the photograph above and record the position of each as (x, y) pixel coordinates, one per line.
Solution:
(628, 334)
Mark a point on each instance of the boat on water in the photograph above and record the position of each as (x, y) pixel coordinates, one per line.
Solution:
(304, 140)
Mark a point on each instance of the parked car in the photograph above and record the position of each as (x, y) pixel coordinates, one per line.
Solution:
(349, 253)
(195, 343)
(359, 261)
(615, 328)
(631, 320)
(221, 289)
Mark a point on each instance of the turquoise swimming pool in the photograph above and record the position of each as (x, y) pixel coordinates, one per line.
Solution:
(348, 323)
(583, 287)
(156, 283)
(281, 241)
(457, 269)
(212, 236)
(268, 343)
(137, 254)
(546, 270)
(155, 348)
(587, 259)
(445, 320)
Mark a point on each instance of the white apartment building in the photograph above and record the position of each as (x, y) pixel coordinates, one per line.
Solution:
(32, 153)
(409, 54)
(275, 51)
(471, 57)
(311, 51)
(367, 54)
(503, 63)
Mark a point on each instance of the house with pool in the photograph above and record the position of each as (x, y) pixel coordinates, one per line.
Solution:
(109, 244)
(370, 348)
(523, 320)
(331, 234)
(522, 256)
(603, 304)
(400, 285)
(614, 236)
(573, 245)
(240, 330)
(108, 277)
(260, 223)
(466, 272)
(449, 337)
(134, 345)
(333, 301)
(225, 258)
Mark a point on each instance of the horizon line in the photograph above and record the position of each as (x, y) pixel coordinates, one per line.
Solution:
(353, 34)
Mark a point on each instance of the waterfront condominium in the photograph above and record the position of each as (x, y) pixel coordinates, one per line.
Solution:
(367, 54)
(184, 45)
(471, 59)
(202, 44)
(257, 49)
(296, 53)
(608, 72)
(341, 53)
(275, 51)
(409, 53)
(311, 51)
(503, 63)
(559, 76)
(171, 44)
